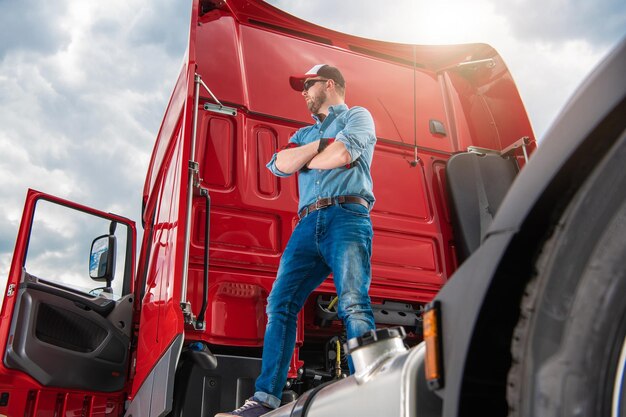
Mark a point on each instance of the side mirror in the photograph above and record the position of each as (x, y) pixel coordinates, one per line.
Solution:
(102, 259)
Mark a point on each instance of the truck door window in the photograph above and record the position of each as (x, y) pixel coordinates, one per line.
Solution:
(60, 244)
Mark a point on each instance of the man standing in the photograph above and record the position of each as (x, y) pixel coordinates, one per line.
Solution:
(333, 158)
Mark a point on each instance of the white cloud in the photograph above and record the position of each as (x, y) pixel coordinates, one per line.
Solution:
(547, 74)
(83, 89)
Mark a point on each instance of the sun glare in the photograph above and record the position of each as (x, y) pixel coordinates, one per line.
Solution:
(407, 21)
(454, 22)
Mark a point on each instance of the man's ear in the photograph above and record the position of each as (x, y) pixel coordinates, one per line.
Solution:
(332, 83)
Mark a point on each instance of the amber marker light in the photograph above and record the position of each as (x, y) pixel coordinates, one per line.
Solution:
(432, 337)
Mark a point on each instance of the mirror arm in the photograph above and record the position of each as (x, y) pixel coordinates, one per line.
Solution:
(112, 227)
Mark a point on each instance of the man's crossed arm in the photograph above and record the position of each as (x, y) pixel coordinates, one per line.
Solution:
(293, 159)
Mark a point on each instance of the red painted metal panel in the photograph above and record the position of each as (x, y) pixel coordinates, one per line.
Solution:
(215, 151)
(231, 301)
(266, 145)
(258, 139)
(237, 232)
(161, 317)
(407, 251)
(163, 140)
(52, 403)
(237, 299)
(375, 84)
(218, 57)
(400, 189)
(46, 404)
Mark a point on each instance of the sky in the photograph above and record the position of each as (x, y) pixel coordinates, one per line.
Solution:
(84, 84)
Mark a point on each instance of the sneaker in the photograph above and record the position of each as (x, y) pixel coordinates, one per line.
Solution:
(251, 408)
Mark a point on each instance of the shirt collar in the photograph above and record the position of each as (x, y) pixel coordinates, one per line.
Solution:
(332, 110)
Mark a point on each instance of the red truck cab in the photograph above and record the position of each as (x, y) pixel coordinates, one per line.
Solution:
(182, 331)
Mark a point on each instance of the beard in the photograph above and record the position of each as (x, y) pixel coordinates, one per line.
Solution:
(316, 102)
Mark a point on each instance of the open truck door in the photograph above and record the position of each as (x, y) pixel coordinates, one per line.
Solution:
(68, 311)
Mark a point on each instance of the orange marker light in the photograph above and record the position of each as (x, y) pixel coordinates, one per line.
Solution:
(432, 337)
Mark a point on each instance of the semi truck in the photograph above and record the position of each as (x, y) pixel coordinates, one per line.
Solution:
(497, 267)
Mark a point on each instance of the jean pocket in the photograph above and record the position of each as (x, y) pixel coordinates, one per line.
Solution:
(355, 208)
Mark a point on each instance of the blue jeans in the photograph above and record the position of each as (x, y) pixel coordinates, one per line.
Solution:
(338, 239)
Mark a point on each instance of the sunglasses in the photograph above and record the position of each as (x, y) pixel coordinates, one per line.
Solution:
(309, 83)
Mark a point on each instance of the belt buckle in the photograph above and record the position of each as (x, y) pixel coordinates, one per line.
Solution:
(323, 203)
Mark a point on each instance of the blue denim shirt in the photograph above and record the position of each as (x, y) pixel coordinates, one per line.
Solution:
(355, 129)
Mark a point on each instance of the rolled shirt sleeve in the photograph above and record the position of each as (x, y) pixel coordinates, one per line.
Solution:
(359, 132)
(271, 165)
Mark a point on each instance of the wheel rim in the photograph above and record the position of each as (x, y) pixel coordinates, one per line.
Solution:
(619, 382)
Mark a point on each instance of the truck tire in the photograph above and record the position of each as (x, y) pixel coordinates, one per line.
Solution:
(569, 347)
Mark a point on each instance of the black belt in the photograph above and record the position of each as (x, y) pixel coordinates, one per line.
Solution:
(331, 201)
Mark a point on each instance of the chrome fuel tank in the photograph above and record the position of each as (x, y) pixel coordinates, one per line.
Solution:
(388, 381)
